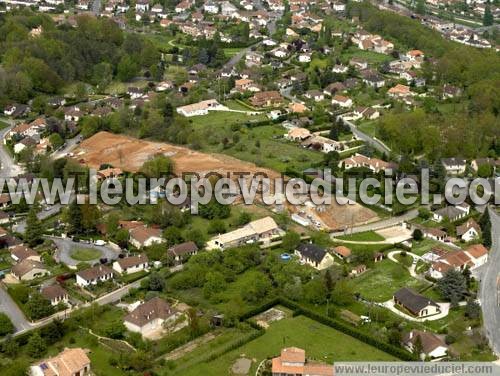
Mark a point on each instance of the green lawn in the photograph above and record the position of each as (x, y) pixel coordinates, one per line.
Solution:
(368, 127)
(230, 52)
(369, 56)
(383, 280)
(85, 254)
(320, 342)
(368, 236)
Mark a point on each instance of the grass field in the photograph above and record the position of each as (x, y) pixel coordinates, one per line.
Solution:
(85, 254)
(383, 280)
(369, 56)
(320, 342)
(368, 236)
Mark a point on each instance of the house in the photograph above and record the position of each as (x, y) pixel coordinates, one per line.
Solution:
(245, 84)
(183, 6)
(415, 55)
(28, 270)
(142, 236)
(21, 252)
(342, 252)
(452, 213)
(73, 114)
(367, 113)
(454, 166)
(164, 86)
(211, 7)
(433, 233)
(322, 144)
(200, 108)
(150, 316)
(450, 91)
(91, 276)
(24, 143)
(109, 173)
(181, 252)
(432, 346)
(468, 231)
(341, 101)
(4, 217)
(374, 80)
(55, 294)
(340, 69)
(298, 134)
(296, 107)
(399, 91)
(358, 63)
(477, 163)
(305, 58)
(316, 95)
(416, 304)
(314, 256)
(69, 362)
(263, 229)
(292, 362)
(132, 264)
(266, 99)
(378, 256)
(478, 253)
(334, 88)
(253, 58)
(359, 160)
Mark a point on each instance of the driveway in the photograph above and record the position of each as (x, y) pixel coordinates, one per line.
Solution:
(489, 294)
(69, 146)
(10, 308)
(65, 246)
(444, 307)
(411, 269)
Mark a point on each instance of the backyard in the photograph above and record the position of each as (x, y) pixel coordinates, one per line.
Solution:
(320, 342)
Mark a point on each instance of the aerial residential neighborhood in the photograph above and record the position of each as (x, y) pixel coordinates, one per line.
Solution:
(123, 122)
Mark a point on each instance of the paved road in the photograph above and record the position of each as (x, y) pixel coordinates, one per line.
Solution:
(9, 168)
(70, 145)
(44, 214)
(65, 246)
(96, 7)
(366, 138)
(393, 221)
(10, 308)
(489, 294)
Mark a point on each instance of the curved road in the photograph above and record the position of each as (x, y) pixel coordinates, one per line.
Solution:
(489, 295)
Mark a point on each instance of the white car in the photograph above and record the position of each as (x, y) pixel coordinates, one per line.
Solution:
(99, 242)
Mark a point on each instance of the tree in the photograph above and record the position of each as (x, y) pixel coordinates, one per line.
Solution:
(38, 307)
(56, 140)
(214, 210)
(244, 218)
(6, 326)
(194, 322)
(127, 69)
(420, 7)
(74, 218)
(10, 346)
(34, 230)
(156, 282)
(418, 348)
(488, 18)
(36, 346)
(485, 170)
(290, 241)
(453, 286)
(472, 309)
(417, 234)
(485, 224)
(157, 167)
(315, 291)
(214, 283)
(173, 236)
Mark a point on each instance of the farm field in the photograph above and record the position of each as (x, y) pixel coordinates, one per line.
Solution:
(320, 342)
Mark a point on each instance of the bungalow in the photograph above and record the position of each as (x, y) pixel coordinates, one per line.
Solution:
(298, 134)
(74, 362)
(367, 113)
(342, 252)
(259, 230)
(340, 69)
(415, 55)
(478, 253)
(452, 213)
(358, 63)
(374, 80)
(341, 101)
(183, 6)
(450, 91)
(477, 163)
(334, 88)
(314, 256)
(266, 99)
(20, 253)
(200, 108)
(150, 316)
(142, 236)
(468, 231)
(92, 276)
(316, 95)
(23, 144)
(416, 304)
(131, 264)
(253, 58)
(432, 346)
(181, 252)
(27, 270)
(164, 86)
(245, 84)
(322, 144)
(134, 92)
(73, 114)
(55, 294)
(359, 160)
(454, 166)
(399, 91)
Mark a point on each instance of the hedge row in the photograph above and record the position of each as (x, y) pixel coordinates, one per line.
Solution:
(347, 329)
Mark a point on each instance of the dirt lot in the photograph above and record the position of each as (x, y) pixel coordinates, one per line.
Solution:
(129, 154)
(336, 216)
